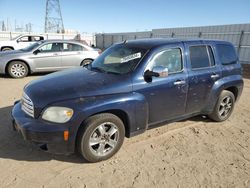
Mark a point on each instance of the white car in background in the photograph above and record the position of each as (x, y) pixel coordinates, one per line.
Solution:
(19, 42)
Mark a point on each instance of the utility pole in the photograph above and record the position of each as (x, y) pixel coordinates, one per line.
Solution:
(53, 17)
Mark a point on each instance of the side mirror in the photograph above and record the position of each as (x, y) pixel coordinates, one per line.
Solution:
(36, 52)
(158, 71)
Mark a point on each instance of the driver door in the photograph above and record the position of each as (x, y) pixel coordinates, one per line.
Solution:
(166, 96)
(48, 57)
(23, 42)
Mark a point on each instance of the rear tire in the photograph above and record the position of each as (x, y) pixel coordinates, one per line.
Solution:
(224, 106)
(101, 137)
(18, 69)
(6, 49)
(86, 62)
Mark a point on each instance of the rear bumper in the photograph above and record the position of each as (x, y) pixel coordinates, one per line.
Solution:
(48, 135)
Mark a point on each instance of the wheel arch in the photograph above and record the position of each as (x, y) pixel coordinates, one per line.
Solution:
(233, 84)
(7, 47)
(234, 90)
(81, 64)
(7, 65)
(117, 112)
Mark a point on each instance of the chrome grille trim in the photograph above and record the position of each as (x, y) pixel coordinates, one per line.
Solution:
(27, 105)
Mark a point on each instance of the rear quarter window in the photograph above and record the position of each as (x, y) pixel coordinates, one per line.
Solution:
(227, 54)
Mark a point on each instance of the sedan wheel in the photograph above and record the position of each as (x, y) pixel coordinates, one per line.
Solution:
(17, 69)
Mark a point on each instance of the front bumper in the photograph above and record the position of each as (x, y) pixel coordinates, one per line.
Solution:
(48, 135)
(2, 67)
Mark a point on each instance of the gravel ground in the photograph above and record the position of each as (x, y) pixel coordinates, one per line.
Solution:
(192, 153)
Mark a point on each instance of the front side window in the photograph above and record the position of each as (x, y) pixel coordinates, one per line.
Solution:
(170, 59)
(227, 54)
(119, 59)
(201, 56)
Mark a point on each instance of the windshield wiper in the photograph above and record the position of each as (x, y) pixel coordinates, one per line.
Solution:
(98, 69)
(89, 66)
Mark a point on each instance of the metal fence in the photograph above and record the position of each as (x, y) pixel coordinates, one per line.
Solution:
(238, 34)
(88, 38)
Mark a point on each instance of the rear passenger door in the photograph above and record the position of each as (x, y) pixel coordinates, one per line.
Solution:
(202, 74)
(72, 55)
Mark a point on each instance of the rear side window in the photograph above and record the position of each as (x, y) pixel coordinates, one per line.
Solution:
(37, 38)
(201, 56)
(227, 54)
(72, 47)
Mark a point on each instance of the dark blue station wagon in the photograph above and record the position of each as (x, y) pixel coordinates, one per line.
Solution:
(129, 88)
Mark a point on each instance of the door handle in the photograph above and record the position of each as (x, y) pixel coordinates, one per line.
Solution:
(179, 82)
(214, 76)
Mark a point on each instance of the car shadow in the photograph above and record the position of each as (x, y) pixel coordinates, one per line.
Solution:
(12, 145)
(6, 76)
(199, 118)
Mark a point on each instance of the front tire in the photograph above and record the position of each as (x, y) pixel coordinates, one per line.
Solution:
(18, 69)
(101, 137)
(224, 106)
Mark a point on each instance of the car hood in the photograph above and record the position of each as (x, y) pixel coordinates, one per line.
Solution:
(12, 52)
(75, 83)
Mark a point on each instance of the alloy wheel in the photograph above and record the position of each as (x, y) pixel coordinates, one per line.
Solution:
(104, 139)
(18, 70)
(225, 106)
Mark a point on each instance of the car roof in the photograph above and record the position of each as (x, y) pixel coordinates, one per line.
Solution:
(157, 42)
(31, 35)
(61, 40)
(65, 41)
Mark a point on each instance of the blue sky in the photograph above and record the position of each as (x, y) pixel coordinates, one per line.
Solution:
(128, 15)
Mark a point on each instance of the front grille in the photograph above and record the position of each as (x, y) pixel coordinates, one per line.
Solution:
(27, 105)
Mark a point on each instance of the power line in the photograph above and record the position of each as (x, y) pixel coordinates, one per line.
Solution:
(53, 17)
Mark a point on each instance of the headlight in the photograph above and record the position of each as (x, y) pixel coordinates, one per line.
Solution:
(57, 114)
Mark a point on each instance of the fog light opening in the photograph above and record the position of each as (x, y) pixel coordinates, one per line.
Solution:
(44, 147)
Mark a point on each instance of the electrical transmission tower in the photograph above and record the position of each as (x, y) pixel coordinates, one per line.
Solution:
(53, 17)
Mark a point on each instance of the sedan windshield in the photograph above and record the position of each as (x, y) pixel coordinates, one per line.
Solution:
(119, 59)
(32, 46)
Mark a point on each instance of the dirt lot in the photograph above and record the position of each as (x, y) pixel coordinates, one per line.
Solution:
(191, 153)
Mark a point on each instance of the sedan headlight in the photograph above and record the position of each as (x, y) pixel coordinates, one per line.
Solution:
(57, 114)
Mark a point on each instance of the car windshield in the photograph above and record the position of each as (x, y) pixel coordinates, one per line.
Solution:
(119, 59)
(32, 46)
(16, 37)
